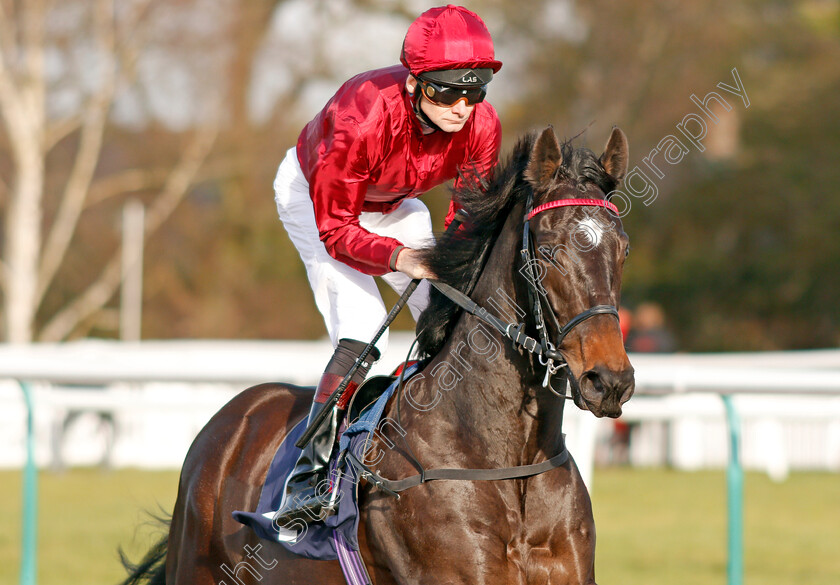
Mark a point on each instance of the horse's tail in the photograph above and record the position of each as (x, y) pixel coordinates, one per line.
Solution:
(152, 569)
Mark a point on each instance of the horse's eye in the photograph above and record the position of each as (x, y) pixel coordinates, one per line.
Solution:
(627, 251)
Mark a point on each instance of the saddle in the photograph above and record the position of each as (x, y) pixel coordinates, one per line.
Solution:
(334, 537)
(367, 394)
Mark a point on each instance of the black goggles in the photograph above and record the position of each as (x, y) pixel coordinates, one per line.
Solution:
(448, 96)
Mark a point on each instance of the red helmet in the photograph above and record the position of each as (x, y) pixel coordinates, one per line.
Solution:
(448, 38)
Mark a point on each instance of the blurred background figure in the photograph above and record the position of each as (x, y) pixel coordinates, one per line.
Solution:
(625, 321)
(645, 332)
(648, 333)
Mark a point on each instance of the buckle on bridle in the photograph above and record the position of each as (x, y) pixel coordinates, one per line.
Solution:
(369, 475)
(533, 345)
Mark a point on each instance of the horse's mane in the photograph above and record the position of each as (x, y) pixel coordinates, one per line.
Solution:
(458, 258)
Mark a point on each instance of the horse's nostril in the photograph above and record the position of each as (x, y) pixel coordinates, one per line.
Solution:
(596, 381)
(604, 381)
(628, 385)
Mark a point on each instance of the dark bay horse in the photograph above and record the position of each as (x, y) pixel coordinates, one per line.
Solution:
(479, 403)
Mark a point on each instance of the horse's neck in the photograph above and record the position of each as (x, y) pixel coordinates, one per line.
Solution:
(498, 398)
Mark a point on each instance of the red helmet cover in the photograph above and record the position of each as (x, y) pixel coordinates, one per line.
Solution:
(448, 37)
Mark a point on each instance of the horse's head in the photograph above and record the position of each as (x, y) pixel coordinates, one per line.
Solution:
(578, 251)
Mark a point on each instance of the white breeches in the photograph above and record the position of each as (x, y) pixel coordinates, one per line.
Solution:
(348, 299)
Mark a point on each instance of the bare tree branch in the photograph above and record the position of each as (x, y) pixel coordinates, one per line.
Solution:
(22, 108)
(101, 291)
(12, 97)
(34, 18)
(128, 36)
(59, 130)
(124, 182)
(87, 156)
(650, 52)
(132, 180)
(182, 176)
(8, 32)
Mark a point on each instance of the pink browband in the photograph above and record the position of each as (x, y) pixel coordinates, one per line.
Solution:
(569, 202)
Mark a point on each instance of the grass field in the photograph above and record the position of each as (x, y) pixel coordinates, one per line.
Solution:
(654, 526)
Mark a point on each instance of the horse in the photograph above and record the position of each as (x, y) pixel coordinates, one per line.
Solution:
(478, 403)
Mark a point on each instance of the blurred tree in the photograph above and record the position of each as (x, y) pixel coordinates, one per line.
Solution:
(233, 272)
(189, 105)
(742, 250)
(61, 70)
(741, 245)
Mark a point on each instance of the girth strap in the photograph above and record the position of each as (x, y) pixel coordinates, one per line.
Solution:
(393, 487)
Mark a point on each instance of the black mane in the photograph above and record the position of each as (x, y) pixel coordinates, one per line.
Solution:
(458, 259)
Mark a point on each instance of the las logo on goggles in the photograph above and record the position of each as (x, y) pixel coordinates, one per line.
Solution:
(447, 96)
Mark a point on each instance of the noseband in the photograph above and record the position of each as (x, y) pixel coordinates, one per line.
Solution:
(550, 352)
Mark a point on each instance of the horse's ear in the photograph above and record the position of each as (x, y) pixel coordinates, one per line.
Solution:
(616, 154)
(545, 158)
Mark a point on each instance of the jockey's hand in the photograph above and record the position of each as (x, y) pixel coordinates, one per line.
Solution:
(409, 262)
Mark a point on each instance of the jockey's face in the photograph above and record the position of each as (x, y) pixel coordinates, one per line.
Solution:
(447, 118)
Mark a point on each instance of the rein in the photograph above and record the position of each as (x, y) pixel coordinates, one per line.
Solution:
(546, 352)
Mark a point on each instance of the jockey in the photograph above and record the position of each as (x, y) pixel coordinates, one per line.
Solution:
(346, 195)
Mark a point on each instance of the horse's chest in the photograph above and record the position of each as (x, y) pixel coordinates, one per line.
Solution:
(479, 534)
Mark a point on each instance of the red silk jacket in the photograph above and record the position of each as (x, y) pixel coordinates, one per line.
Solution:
(366, 151)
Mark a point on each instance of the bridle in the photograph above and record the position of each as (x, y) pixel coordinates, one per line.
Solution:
(546, 350)
(552, 358)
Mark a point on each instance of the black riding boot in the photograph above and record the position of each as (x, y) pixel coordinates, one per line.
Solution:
(309, 495)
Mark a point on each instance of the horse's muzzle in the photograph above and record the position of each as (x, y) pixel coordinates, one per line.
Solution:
(602, 391)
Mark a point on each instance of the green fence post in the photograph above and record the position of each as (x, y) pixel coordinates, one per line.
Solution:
(735, 497)
(29, 543)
